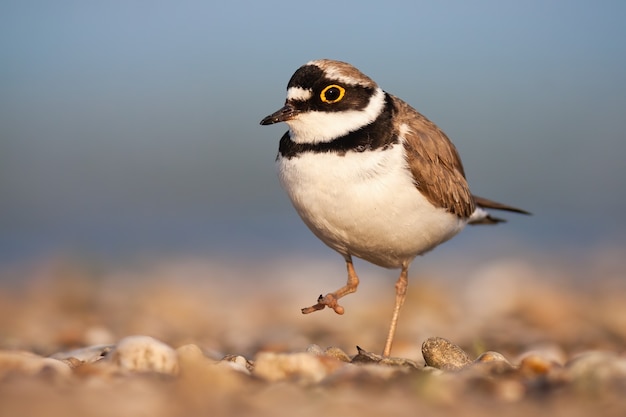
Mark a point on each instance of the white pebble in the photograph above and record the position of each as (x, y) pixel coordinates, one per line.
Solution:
(303, 367)
(145, 354)
(87, 354)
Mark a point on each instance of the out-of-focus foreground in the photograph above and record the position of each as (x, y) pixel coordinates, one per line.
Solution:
(559, 323)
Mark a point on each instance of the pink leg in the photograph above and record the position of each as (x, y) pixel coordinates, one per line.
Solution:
(401, 286)
(330, 299)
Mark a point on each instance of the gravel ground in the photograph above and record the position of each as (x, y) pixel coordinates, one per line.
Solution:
(534, 335)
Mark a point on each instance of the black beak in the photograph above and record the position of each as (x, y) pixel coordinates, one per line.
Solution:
(287, 112)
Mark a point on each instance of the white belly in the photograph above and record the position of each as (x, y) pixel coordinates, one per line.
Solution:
(366, 205)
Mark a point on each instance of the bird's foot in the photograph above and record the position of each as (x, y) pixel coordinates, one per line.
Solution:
(328, 300)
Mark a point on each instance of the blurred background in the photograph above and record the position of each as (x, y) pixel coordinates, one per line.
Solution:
(131, 128)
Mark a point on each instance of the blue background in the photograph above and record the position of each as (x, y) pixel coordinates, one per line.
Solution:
(131, 127)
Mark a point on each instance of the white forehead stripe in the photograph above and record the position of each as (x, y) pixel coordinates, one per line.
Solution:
(333, 74)
(299, 94)
(336, 74)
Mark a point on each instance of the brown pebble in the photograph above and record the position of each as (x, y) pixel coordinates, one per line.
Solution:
(491, 356)
(338, 354)
(73, 362)
(535, 365)
(493, 363)
(443, 354)
(363, 357)
(331, 352)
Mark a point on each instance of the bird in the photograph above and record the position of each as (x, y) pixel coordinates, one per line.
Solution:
(370, 176)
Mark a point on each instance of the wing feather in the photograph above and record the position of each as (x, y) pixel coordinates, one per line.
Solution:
(434, 162)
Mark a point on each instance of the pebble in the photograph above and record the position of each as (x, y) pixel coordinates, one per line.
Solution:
(364, 356)
(190, 352)
(26, 363)
(301, 367)
(491, 356)
(88, 354)
(536, 365)
(144, 354)
(332, 352)
(491, 374)
(238, 363)
(550, 353)
(443, 354)
(493, 363)
(591, 371)
(199, 375)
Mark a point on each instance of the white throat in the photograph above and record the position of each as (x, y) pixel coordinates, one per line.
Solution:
(319, 127)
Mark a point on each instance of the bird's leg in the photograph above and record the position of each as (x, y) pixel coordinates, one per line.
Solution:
(401, 286)
(330, 299)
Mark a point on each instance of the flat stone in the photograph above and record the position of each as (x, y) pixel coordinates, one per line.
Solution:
(365, 357)
(87, 354)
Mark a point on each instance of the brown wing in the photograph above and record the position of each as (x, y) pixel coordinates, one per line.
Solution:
(434, 162)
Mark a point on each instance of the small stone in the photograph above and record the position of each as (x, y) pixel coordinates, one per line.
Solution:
(144, 354)
(315, 349)
(238, 363)
(88, 354)
(331, 352)
(535, 365)
(335, 352)
(443, 354)
(190, 352)
(197, 372)
(491, 356)
(364, 356)
(72, 362)
(493, 362)
(30, 364)
(302, 367)
(550, 353)
(596, 370)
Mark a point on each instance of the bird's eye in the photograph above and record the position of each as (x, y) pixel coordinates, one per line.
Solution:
(332, 94)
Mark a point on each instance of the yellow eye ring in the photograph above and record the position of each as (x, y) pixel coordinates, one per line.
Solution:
(332, 93)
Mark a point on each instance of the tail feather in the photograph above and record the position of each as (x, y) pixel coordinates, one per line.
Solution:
(481, 216)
